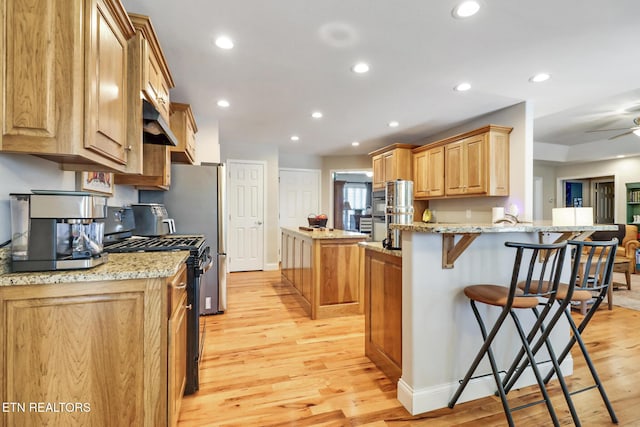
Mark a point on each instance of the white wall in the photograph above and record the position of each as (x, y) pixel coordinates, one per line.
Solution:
(20, 173)
(519, 117)
(208, 144)
(548, 174)
(299, 161)
(623, 170)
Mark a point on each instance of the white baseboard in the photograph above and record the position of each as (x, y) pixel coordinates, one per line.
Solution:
(271, 266)
(418, 401)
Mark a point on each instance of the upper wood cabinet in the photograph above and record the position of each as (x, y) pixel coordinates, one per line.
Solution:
(428, 172)
(149, 76)
(156, 79)
(478, 164)
(64, 83)
(391, 163)
(183, 125)
(474, 163)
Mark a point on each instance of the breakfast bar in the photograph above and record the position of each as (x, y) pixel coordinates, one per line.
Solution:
(440, 336)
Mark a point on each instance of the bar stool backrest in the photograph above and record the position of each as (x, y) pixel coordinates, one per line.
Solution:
(593, 264)
(541, 265)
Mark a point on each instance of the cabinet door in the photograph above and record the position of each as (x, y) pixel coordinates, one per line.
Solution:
(177, 341)
(420, 174)
(106, 95)
(454, 169)
(68, 349)
(378, 172)
(435, 171)
(475, 163)
(389, 169)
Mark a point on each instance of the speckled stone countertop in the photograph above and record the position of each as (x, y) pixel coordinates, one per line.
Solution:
(5, 260)
(120, 266)
(377, 246)
(326, 234)
(523, 227)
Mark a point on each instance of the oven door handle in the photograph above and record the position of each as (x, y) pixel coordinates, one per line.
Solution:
(208, 265)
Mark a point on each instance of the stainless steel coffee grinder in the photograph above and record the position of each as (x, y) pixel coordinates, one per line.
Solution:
(56, 230)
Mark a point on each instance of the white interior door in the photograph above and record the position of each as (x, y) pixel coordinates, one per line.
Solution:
(299, 196)
(246, 216)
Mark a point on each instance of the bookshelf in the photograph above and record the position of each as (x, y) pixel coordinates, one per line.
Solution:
(633, 202)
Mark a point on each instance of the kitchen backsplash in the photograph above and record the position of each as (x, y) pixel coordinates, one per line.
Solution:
(5, 260)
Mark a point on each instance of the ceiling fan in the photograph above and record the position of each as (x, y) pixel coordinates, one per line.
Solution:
(632, 129)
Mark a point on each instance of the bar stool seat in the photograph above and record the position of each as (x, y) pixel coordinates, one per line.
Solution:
(561, 292)
(498, 296)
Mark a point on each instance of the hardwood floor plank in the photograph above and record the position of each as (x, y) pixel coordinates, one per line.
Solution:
(267, 364)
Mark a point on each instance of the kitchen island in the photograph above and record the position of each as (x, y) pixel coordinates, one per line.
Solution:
(100, 346)
(440, 336)
(324, 267)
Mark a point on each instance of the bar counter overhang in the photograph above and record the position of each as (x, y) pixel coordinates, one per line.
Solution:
(440, 335)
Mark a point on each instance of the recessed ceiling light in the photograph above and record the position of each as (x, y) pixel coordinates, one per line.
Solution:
(223, 103)
(224, 42)
(540, 77)
(462, 87)
(620, 156)
(636, 132)
(316, 115)
(465, 9)
(295, 138)
(355, 143)
(394, 124)
(360, 68)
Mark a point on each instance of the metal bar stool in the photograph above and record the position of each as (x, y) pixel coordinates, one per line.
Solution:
(535, 265)
(591, 277)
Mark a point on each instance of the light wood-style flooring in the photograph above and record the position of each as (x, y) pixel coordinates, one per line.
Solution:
(267, 364)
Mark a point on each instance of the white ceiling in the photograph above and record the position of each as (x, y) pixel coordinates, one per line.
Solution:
(292, 57)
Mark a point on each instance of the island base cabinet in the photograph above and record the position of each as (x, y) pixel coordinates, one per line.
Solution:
(383, 312)
(87, 355)
(325, 273)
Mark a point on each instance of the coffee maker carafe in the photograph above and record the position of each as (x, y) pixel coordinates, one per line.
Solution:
(56, 230)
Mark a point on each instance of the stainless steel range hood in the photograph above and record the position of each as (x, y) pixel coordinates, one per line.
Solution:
(156, 129)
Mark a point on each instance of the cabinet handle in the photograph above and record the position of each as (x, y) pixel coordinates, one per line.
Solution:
(129, 147)
(188, 307)
(182, 285)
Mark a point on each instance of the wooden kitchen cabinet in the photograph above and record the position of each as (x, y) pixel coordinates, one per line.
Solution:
(99, 343)
(184, 128)
(428, 172)
(478, 163)
(150, 77)
(323, 268)
(116, 347)
(177, 344)
(383, 311)
(391, 163)
(64, 83)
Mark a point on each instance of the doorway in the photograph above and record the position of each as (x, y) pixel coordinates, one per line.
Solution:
(595, 192)
(352, 198)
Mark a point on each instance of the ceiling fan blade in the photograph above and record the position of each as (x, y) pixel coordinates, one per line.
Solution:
(622, 134)
(605, 130)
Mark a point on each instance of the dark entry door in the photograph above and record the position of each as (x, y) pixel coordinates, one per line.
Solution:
(605, 201)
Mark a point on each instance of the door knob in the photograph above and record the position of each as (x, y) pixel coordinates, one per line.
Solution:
(258, 222)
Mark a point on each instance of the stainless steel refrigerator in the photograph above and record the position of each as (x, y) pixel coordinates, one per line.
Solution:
(196, 202)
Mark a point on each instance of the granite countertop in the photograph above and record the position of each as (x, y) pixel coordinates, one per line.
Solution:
(326, 233)
(522, 227)
(120, 266)
(377, 246)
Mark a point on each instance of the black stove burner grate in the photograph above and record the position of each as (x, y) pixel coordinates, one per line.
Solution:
(163, 243)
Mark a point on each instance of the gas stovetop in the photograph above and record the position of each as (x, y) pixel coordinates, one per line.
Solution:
(174, 242)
